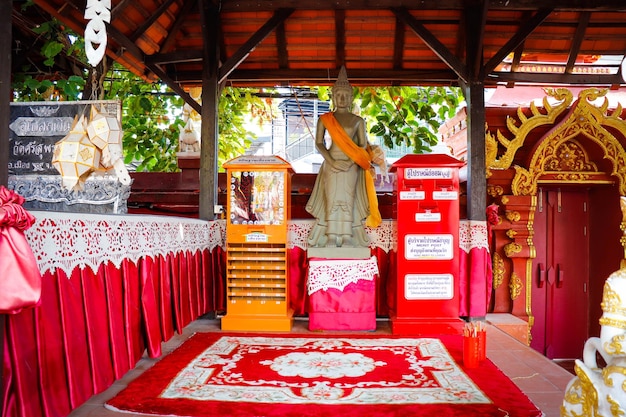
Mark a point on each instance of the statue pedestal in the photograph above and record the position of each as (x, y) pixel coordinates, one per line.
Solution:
(342, 293)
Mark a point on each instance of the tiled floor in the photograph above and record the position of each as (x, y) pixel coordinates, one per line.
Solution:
(542, 380)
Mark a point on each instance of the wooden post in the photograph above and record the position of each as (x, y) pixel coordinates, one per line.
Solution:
(209, 134)
(476, 175)
(6, 41)
(6, 9)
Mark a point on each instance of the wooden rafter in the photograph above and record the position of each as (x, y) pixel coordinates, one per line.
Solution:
(432, 42)
(583, 22)
(168, 43)
(153, 18)
(229, 66)
(340, 38)
(519, 37)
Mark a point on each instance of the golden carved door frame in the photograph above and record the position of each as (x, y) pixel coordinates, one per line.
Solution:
(559, 156)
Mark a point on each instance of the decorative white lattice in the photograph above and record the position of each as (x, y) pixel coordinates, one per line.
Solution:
(383, 236)
(473, 234)
(67, 240)
(339, 273)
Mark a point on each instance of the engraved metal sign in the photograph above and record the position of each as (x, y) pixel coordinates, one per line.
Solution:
(35, 127)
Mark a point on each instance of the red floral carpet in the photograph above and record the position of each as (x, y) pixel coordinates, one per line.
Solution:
(237, 375)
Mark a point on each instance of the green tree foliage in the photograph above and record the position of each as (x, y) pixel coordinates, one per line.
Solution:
(150, 118)
(151, 112)
(408, 115)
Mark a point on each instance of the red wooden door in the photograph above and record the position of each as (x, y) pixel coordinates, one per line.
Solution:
(560, 298)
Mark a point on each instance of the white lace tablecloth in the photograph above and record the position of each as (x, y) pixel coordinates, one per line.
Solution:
(67, 240)
(384, 236)
(339, 273)
(473, 234)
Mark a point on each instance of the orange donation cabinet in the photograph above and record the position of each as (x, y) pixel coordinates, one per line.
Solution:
(257, 212)
(426, 297)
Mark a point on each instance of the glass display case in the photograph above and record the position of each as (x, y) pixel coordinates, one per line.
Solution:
(257, 214)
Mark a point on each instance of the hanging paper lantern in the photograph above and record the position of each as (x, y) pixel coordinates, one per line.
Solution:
(105, 131)
(75, 156)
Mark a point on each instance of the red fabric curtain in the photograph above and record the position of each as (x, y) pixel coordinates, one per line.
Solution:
(91, 328)
(298, 266)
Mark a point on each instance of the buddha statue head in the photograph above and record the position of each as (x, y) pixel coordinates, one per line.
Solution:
(342, 90)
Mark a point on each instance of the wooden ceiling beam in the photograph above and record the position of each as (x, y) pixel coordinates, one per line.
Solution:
(168, 42)
(551, 79)
(119, 8)
(340, 38)
(475, 18)
(579, 36)
(517, 39)
(242, 53)
(281, 46)
(153, 18)
(578, 5)
(132, 49)
(320, 77)
(398, 44)
(432, 42)
(187, 55)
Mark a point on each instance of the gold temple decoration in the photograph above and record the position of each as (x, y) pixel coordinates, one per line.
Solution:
(611, 302)
(511, 249)
(515, 286)
(498, 270)
(561, 154)
(513, 216)
(614, 347)
(495, 190)
(585, 120)
(537, 119)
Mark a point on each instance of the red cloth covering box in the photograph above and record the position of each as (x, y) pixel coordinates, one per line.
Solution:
(342, 294)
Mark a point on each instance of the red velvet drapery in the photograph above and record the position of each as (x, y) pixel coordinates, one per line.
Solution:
(91, 328)
(113, 289)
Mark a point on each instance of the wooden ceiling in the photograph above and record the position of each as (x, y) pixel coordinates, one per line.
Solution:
(384, 42)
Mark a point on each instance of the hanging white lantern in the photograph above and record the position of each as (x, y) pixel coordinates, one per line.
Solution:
(75, 156)
(97, 12)
(105, 131)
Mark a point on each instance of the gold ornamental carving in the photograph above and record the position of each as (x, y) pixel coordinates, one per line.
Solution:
(511, 233)
(614, 347)
(511, 249)
(561, 153)
(495, 190)
(513, 216)
(498, 270)
(515, 286)
(493, 144)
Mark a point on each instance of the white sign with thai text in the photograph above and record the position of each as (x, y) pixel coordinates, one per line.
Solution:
(428, 286)
(432, 246)
(427, 173)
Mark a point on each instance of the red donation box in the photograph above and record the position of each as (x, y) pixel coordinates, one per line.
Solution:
(426, 297)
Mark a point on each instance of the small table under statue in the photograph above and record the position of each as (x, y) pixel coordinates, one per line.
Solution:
(342, 294)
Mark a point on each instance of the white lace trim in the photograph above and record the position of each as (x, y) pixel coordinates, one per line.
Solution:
(473, 234)
(339, 273)
(67, 240)
(383, 236)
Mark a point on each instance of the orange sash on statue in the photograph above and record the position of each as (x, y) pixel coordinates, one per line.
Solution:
(361, 157)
